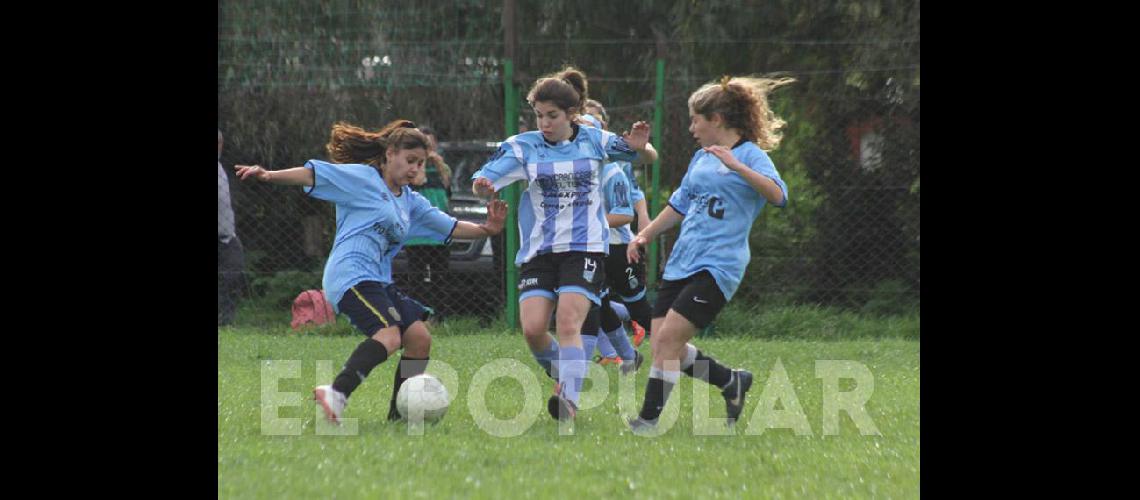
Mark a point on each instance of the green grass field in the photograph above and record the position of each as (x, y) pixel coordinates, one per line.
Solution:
(458, 458)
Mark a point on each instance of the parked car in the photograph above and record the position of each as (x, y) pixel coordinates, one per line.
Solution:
(473, 283)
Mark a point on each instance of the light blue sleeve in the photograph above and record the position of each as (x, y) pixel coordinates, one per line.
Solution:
(760, 162)
(427, 221)
(617, 191)
(507, 165)
(636, 194)
(616, 148)
(341, 183)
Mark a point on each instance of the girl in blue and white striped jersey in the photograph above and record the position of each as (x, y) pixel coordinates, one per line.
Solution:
(563, 233)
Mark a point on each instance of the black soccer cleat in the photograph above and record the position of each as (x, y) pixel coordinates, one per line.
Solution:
(560, 408)
(393, 413)
(734, 393)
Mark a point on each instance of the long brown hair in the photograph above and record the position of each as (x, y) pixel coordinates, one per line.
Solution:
(351, 144)
(743, 104)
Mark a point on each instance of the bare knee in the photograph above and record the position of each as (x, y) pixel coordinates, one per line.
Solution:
(569, 324)
(534, 313)
(535, 328)
(535, 334)
(417, 341)
(669, 344)
(534, 324)
(571, 313)
(389, 337)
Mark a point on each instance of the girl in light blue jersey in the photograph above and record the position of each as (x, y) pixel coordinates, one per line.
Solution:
(563, 232)
(376, 212)
(728, 182)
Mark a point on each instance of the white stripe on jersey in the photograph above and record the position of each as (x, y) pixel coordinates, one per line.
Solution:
(564, 222)
(621, 235)
(518, 150)
(563, 230)
(514, 175)
(599, 228)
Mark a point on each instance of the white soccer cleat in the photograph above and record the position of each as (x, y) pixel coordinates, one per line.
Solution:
(631, 365)
(332, 401)
(642, 427)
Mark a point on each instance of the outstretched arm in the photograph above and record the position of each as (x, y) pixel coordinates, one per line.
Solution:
(297, 176)
(496, 215)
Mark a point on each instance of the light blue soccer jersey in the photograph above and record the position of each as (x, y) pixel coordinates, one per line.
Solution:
(719, 207)
(615, 186)
(562, 208)
(623, 234)
(371, 224)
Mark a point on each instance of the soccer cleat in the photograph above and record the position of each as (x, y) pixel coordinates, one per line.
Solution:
(559, 407)
(393, 413)
(332, 401)
(616, 360)
(641, 426)
(638, 334)
(631, 365)
(734, 393)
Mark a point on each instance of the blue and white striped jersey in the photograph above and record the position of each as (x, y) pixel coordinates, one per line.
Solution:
(562, 209)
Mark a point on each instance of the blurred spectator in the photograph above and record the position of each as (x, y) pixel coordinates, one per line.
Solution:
(427, 258)
(231, 258)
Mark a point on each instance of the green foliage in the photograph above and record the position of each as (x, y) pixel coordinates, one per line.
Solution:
(280, 288)
(883, 319)
(891, 297)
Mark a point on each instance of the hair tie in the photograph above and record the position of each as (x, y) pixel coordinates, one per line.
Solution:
(724, 82)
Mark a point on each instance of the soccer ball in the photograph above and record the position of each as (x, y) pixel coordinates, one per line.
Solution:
(422, 395)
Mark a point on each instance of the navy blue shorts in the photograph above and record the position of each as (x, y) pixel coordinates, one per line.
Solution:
(372, 306)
